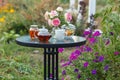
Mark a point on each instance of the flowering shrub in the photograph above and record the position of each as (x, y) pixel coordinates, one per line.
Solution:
(99, 58)
(57, 18)
(92, 61)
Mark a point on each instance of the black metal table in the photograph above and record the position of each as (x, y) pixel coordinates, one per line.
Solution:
(51, 50)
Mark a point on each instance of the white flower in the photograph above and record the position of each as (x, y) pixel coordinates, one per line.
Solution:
(46, 15)
(59, 9)
(88, 29)
(49, 22)
(98, 30)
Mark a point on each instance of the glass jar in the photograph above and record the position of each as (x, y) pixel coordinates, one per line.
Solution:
(33, 31)
(69, 29)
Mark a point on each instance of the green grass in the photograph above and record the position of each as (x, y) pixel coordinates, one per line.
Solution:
(20, 63)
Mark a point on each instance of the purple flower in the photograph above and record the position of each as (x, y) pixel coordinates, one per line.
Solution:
(106, 67)
(62, 78)
(96, 33)
(66, 63)
(86, 33)
(82, 48)
(63, 72)
(116, 53)
(111, 33)
(51, 75)
(94, 72)
(86, 64)
(95, 60)
(101, 58)
(88, 49)
(107, 41)
(73, 57)
(96, 54)
(77, 52)
(60, 50)
(78, 76)
(76, 70)
(92, 40)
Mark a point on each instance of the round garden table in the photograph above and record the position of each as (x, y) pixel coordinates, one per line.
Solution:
(51, 50)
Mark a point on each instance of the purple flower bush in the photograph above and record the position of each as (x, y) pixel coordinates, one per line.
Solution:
(99, 58)
(93, 61)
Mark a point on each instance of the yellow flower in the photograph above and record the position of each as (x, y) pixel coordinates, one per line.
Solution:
(2, 19)
(12, 10)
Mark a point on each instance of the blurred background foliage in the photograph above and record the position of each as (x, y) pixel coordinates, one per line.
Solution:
(16, 16)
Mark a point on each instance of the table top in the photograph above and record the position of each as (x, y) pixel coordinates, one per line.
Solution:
(71, 41)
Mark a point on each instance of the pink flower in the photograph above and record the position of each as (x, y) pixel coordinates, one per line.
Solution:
(56, 22)
(53, 13)
(68, 17)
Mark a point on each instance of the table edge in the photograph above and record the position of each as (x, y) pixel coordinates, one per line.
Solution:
(50, 45)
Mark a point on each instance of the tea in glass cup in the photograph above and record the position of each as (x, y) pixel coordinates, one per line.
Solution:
(33, 31)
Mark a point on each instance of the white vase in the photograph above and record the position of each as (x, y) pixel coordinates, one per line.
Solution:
(60, 34)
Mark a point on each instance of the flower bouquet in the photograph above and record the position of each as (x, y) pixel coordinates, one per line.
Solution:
(59, 19)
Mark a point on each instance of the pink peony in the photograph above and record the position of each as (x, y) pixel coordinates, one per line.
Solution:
(68, 17)
(53, 13)
(56, 22)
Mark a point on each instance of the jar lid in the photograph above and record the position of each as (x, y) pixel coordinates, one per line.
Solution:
(34, 25)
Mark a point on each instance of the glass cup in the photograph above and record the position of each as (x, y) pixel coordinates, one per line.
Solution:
(33, 31)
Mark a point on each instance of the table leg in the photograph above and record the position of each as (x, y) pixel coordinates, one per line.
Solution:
(51, 64)
(44, 66)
